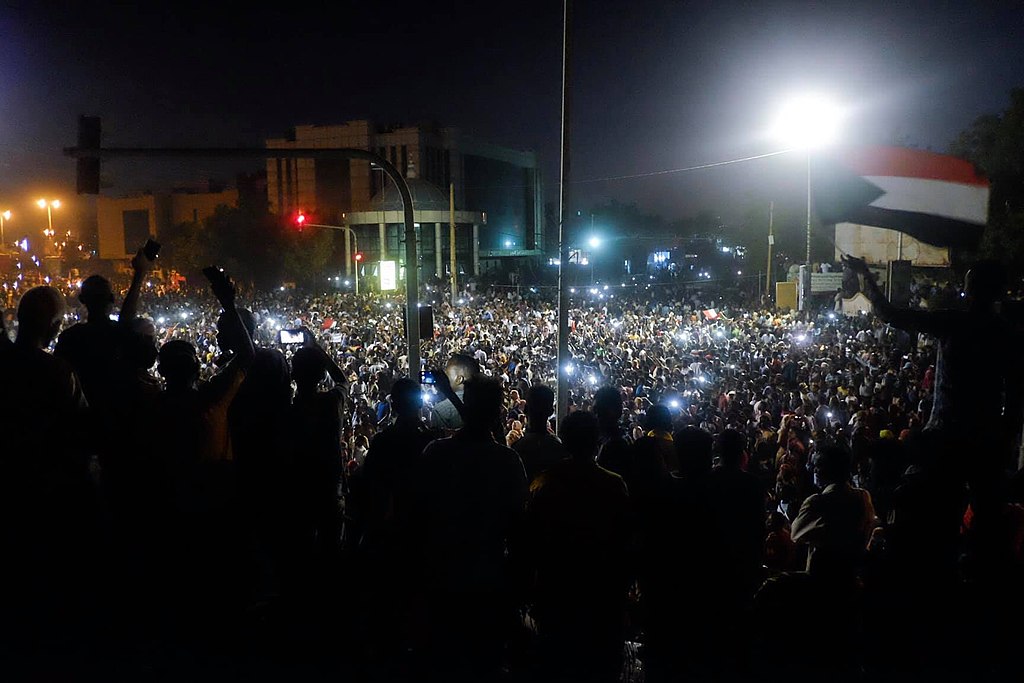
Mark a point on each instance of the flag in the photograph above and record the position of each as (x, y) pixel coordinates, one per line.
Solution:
(711, 314)
(936, 198)
(327, 324)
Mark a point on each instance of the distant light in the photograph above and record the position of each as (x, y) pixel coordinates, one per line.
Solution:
(572, 290)
(702, 379)
(568, 368)
(347, 283)
(801, 337)
(593, 290)
(461, 302)
(508, 244)
(161, 320)
(594, 242)
(592, 379)
(606, 288)
(674, 403)
(183, 315)
(828, 415)
(726, 250)
(282, 289)
(388, 305)
(739, 272)
(831, 316)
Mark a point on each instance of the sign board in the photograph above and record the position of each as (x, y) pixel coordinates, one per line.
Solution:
(826, 282)
(785, 295)
(388, 278)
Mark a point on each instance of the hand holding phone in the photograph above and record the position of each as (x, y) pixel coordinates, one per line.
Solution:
(291, 337)
(222, 286)
(151, 249)
(428, 377)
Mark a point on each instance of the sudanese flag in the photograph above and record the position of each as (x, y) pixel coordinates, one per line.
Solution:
(936, 198)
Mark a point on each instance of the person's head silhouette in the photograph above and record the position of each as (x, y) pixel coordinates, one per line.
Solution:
(659, 418)
(308, 368)
(985, 283)
(178, 364)
(406, 399)
(97, 296)
(482, 404)
(40, 313)
(608, 406)
(580, 436)
(540, 404)
(460, 369)
(228, 336)
(732, 449)
(694, 449)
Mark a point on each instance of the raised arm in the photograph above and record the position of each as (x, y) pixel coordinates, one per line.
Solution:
(140, 269)
(224, 289)
(929, 322)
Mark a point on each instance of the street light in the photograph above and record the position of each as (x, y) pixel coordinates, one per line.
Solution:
(594, 243)
(5, 216)
(49, 205)
(808, 122)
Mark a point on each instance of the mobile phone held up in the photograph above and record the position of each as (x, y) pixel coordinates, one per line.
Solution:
(427, 377)
(292, 337)
(151, 249)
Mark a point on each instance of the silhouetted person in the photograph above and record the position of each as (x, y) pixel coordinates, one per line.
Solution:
(675, 566)
(193, 448)
(458, 370)
(965, 395)
(47, 502)
(578, 539)
(538, 448)
(737, 501)
(470, 497)
(258, 419)
(836, 525)
(94, 346)
(614, 451)
(383, 498)
(315, 431)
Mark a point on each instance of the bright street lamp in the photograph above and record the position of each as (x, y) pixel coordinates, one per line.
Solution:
(594, 242)
(806, 123)
(49, 206)
(5, 216)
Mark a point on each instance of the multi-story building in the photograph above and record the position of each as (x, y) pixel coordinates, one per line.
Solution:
(497, 191)
(123, 224)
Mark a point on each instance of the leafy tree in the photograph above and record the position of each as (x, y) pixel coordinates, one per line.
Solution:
(994, 143)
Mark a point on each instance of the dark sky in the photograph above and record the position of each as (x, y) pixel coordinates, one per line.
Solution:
(657, 84)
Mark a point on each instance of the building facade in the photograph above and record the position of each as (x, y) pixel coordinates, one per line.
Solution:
(496, 189)
(124, 224)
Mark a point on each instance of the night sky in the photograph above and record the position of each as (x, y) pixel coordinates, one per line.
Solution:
(657, 85)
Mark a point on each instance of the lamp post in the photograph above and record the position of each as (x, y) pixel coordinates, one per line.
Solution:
(807, 123)
(594, 243)
(49, 205)
(5, 216)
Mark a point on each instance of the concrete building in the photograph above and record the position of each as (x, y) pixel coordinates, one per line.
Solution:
(123, 224)
(498, 192)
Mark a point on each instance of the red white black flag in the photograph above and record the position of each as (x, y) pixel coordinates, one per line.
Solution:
(938, 199)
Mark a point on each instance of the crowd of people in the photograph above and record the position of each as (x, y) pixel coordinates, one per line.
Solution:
(219, 482)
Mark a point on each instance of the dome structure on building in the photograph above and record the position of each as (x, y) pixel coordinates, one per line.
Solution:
(425, 197)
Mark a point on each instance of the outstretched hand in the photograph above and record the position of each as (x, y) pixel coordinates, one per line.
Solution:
(140, 263)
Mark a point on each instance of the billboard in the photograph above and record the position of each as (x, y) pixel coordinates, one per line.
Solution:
(388, 276)
(878, 246)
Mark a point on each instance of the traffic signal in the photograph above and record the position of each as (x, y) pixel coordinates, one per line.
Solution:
(358, 256)
(300, 220)
(88, 167)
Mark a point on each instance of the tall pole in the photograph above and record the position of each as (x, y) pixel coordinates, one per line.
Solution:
(808, 261)
(3, 239)
(355, 245)
(451, 239)
(771, 243)
(563, 212)
(49, 218)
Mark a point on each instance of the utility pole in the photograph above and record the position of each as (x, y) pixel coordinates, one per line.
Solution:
(451, 240)
(563, 370)
(771, 243)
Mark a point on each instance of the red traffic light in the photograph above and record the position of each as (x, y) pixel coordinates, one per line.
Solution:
(358, 256)
(300, 219)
